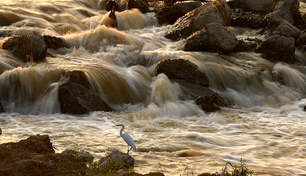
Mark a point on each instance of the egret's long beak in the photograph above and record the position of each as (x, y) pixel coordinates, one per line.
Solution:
(230, 164)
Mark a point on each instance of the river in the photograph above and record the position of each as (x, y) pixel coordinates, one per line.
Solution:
(266, 127)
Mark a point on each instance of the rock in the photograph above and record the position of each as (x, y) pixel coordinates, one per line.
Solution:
(77, 99)
(1, 108)
(27, 47)
(278, 48)
(142, 5)
(250, 19)
(217, 11)
(35, 156)
(281, 27)
(39, 144)
(214, 38)
(78, 77)
(207, 174)
(247, 45)
(0, 131)
(79, 155)
(211, 103)
(183, 70)
(54, 42)
(262, 6)
(117, 160)
(170, 14)
(236, 4)
(285, 9)
(301, 41)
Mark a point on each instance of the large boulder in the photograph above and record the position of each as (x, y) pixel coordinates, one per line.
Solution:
(278, 48)
(281, 27)
(183, 70)
(214, 38)
(35, 156)
(214, 12)
(262, 6)
(27, 47)
(169, 14)
(77, 99)
(284, 9)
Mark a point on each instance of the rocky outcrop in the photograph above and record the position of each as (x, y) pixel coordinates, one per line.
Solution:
(217, 11)
(183, 70)
(214, 38)
(278, 48)
(169, 14)
(282, 27)
(77, 99)
(27, 47)
(35, 156)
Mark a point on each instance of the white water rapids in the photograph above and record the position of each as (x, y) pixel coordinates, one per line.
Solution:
(266, 127)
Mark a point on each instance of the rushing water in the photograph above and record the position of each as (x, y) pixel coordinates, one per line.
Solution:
(266, 127)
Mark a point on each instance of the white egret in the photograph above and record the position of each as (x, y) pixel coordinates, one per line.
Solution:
(128, 139)
(222, 173)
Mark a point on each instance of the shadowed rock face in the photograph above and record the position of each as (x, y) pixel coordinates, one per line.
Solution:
(213, 38)
(35, 156)
(182, 69)
(215, 12)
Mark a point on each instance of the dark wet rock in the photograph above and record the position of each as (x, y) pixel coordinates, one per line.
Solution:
(142, 5)
(278, 48)
(281, 27)
(27, 47)
(249, 19)
(215, 12)
(207, 174)
(77, 99)
(183, 70)
(78, 77)
(214, 38)
(261, 6)
(211, 103)
(35, 156)
(301, 41)
(0, 131)
(79, 155)
(284, 9)
(170, 14)
(1, 108)
(304, 108)
(7, 18)
(54, 42)
(117, 160)
(236, 4)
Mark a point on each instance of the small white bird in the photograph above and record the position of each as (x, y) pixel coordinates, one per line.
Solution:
(128, 139)
(222, 173)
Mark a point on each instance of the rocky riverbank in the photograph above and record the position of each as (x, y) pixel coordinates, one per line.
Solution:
(35, 156)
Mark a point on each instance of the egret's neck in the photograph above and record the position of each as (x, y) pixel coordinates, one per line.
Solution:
(121, 131)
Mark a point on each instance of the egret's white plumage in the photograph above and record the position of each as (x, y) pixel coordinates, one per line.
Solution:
(128, 139)
(222, 173)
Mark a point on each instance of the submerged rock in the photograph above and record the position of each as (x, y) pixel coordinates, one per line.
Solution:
(170, 14)
(27, 47)
(214, 38)
(214, 12)
(54, 42)
(77, 99)
(183, 70)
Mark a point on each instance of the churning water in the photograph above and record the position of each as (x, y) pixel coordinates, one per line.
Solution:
(266, 127)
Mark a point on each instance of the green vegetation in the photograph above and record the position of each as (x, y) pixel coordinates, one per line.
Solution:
(242, 170)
